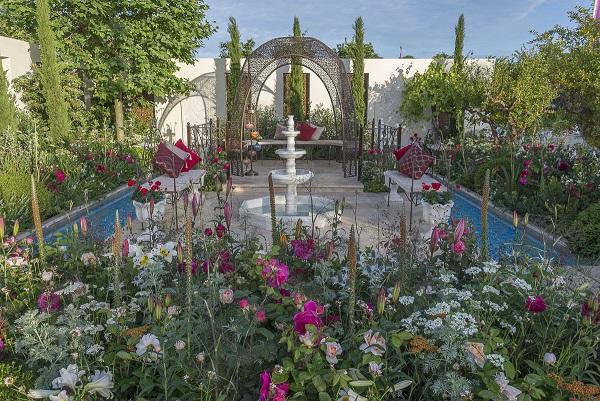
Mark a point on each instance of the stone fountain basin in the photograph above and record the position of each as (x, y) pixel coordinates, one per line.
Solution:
(281, 176)
(258, 211)
(290, 154)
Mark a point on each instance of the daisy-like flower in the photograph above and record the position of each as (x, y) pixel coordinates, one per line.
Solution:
(69, 377)
(332, 350)
(167, 251)
(101, 383)
(374, 343)
(148, 347)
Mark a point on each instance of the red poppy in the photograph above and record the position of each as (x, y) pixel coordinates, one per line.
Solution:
(131, 183)
(436, 186)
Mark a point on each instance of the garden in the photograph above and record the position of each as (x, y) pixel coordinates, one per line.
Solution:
(190, 304)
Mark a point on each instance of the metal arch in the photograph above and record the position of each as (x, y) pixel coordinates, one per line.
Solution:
(204, 87)
(317, 57)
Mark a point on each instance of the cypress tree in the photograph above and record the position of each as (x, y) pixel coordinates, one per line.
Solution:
(459, 40)
(296, 92)
(358, 80)
(8, 117)
(235, 54)
(54, 96)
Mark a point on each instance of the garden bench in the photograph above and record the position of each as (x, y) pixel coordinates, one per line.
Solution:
(412, 187)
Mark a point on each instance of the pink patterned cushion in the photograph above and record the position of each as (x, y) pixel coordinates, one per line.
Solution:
(414, 163)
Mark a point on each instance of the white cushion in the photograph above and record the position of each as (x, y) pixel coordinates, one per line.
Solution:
(318, 132)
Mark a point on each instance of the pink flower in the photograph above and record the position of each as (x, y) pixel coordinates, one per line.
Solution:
(591, 310)
(125, 248)
(563, 165)
(208, 231)
(260, 316)
(59, 175)
(182, 267)
(523, 180)
(526, 163)
(265, 384)
(459, 230)
(535, 304)
(459, 247)
(48, 302)
(274, 272)
(244, 304)
(101, 168)
(228, 213)
(303, 250)
(551, 147)
(220, 230)
(436, 186)
(307, 316)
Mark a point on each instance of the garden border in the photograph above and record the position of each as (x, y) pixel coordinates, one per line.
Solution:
(531, 229)
(68, 217)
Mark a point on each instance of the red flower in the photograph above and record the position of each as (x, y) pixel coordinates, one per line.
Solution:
(101, 168)
(307, 316)
(226, 166)
(425, 186)
(59, 175)
(261, 315)
(208, 231)
(131, 183)
(436, 186)
(219, 149)
(535, 304)
(158, 183)
(144, 191)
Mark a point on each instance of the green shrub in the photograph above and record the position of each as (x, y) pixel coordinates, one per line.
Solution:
(11, 379)
(15, 197)
(494, 165)
(583, 239)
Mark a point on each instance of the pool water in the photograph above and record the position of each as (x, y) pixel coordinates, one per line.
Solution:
(102, 219)
(502, 236)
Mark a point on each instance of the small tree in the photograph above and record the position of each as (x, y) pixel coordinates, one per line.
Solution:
(346, 49)
(247, 48)
(234, 49)
(296, 92)
(58, 117)
(8, 116)
(459, 60)
(358, 75)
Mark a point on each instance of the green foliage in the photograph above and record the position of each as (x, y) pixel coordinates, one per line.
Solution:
(296, 92)
(358, 73)
(51, 70)
(459, 42)
(266, 120)
(246, 46)
(235, 53)
(15, 197)
(583, 240)
(323, 117)
(12, 378)
(347, 50)
(8, 117)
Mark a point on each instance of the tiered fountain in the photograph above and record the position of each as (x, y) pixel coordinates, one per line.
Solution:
(291, 207)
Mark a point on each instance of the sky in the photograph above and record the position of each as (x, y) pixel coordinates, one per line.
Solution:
(422, 28)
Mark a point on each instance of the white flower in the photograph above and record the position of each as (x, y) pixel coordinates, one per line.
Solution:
(490, 267)
(464, 323)
(94, 349)
(148, 347)
(374, 343)
(332, 350)
(62, 396)
(143, 260)
(375, 368)
(100, 383)
(172, 310)
(406, 300)
(549, 359)
(69, 377)
(179, 345)
(473, 271)
(490, 289)
(88, 258)
(496, 360)
(16, 261)
(167, 251)
(9, 381)
(350, 395)
(46, 276)
(38, 394)
(201, 357)
(511, 393)
(226, 295)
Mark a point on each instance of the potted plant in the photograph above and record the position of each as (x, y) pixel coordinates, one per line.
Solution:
(437, 204)
(149, 202)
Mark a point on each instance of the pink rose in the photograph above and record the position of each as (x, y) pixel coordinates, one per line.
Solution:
(274, 272)
(307, 316)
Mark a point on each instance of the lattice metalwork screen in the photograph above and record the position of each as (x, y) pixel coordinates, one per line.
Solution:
(321, 60)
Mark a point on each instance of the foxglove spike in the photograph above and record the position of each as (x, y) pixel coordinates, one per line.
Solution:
(83, 225)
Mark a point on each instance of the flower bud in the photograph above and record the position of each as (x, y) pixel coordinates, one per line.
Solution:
(229, 187)
(179, 253)
(283, 241)
(16, 228)
(186, 200)
(84, 227)
(1, 227)
(549, 358)
(151, 209)
(381, 301)
(196, 204)
(151, 303)
(396, 292)
(168, 300)
(125, 248)
(526, 219)
(158, 311)
(515, 219)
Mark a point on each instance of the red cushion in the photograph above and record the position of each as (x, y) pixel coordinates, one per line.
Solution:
(170, 159)
(401, 151)
(306, 132)
(415, 162)
(192, 160)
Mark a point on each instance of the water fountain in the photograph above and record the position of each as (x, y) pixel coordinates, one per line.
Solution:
(291, 207)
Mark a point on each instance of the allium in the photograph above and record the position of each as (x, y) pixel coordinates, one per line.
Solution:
(563, 165)
(303, 250)
(549, 358)
(48, 302)
(535, 304)
(208, 231)
(523, 180)
(274, 272)
(307, 316)
(526, 163)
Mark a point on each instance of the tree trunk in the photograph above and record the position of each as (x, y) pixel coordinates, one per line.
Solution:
(119, 123)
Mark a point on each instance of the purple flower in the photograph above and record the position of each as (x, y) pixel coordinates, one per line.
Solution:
(183, 266)
(563, 165)
(48, 302)
(265, 384)
(591, 310)
(303, 250)
(535, 304)
(307, 316)
(274, 272)
(526, 163)
(523, 180)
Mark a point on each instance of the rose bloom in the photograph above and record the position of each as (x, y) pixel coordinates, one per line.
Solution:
(535, 304)
(274, 272)
(308, 315)
(48, 302)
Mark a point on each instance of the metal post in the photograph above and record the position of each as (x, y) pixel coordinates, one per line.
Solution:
(189, 135)
(378, 134)
(373, 133)
(399, 136)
